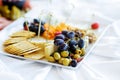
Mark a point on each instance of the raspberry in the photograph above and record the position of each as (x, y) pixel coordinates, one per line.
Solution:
(95, 26)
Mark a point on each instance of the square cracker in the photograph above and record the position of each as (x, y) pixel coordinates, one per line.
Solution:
(26, 34)
(13, 40)
(35, 55)
(21, 47)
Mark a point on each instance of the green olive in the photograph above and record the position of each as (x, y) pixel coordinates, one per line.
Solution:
(60, 60)
(15, 13)
(57, 56)
(66, 62)
(76, 56)
(64, 53)
(51, 59)
(83, 52)
(78, 51)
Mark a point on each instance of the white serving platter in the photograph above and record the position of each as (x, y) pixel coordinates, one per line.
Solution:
(82, 22)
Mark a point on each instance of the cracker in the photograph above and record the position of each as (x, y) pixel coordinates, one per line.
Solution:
(39, 44)
(13, 40)
(21, 47)
(26, 34)
(35, 55)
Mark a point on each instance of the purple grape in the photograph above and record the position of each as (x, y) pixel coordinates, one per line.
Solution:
(81, 43)
(70, 35)
(72, 42)
(58, 42)
(60, 36)
(33, 29)
(63, 47)
(42, 29)
(36, 21)
(72, 48)
(64, 32)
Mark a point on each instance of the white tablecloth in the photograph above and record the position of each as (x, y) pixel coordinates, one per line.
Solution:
(102, 64)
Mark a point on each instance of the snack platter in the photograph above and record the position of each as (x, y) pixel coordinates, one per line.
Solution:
(103, 26)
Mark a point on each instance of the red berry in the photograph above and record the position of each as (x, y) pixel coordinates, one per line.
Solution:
(79, 59)
(57, 33)
(25, 28)
(95, 26)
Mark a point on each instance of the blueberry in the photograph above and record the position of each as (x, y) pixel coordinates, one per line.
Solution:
(64, 32)
(58, 42)
(36, 21)
(72, 42)
(42, 29)
(60, 36)
(70, 35)
(73, 63)
(63, 47)
(81, 43)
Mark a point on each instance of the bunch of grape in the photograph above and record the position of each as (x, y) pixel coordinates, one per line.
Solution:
(70, 49)
(34, 26)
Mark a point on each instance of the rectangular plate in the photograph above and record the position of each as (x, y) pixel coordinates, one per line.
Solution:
(83, 22)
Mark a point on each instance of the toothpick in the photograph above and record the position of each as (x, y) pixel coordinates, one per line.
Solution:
(39, 28)
(40, 20)
(49, 23)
